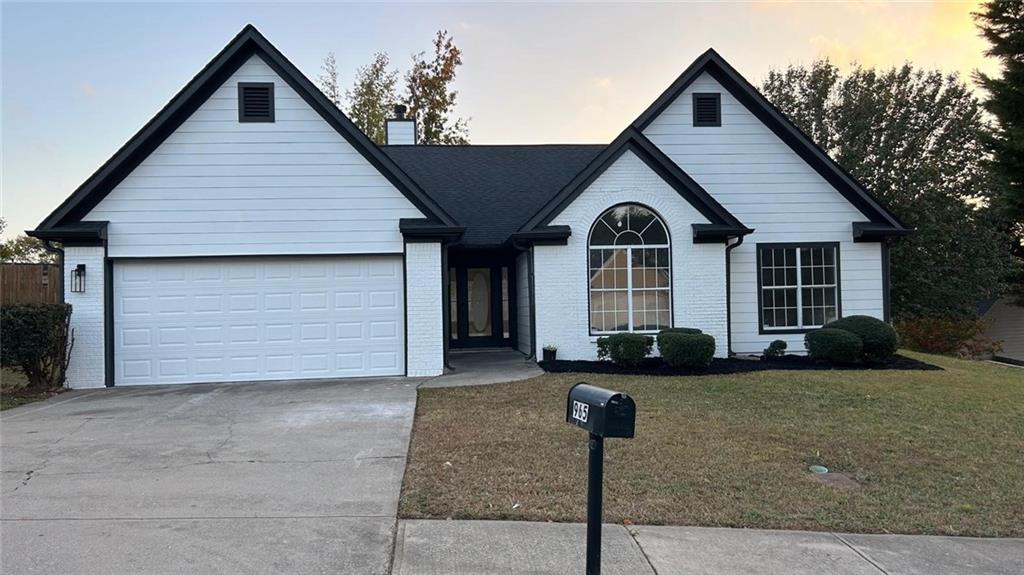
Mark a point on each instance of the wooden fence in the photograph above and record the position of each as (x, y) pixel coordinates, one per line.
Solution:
(29, 283)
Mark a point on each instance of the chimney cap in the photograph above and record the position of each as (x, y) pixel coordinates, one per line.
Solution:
(400, 110)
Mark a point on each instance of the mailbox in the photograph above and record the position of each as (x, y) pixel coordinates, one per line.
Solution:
(602, 412)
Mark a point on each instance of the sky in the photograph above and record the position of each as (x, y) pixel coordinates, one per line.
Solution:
(79, 79)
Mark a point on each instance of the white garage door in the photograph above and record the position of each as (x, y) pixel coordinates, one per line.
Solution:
(246, 319)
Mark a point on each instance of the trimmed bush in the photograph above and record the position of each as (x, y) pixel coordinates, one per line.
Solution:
(686, 350)
(879, 339)
(689, 330)
(775, 350)
(683, 330)
(833, 345)
(625, 349)
(37, 339)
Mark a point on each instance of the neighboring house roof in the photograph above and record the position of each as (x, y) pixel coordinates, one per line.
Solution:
(722, 223)
(247, 43)
(712, 63)
(493, 190)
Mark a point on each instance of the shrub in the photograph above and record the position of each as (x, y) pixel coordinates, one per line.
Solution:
(946, 336)
(690, 330)
(775, 350)
(686, 350)
(878, 338)
(625, 349)
(683, 330)
(37, 339)
(833, 345)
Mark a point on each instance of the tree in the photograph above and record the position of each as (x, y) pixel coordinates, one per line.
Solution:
(372, 98)
(328, 79)
(915, 139)
(429, 95)
(25, 250)
(1002, 24)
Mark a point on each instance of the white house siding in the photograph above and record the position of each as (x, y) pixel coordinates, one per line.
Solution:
(1007, 326)
(523, 303)
(87, 367)
(561, 274)
(425, 336)
(758, 178)
(219, 187)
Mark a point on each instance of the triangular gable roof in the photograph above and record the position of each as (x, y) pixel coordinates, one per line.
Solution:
(712, 63)
(247, 43)
(723, 224)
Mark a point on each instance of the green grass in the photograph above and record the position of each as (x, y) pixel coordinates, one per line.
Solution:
(937, 452)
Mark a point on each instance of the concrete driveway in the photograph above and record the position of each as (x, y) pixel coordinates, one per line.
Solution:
(297, 477)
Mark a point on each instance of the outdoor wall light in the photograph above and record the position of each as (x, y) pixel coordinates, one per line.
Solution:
(78, 279)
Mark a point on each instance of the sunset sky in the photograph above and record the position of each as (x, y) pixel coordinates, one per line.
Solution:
(79, 79)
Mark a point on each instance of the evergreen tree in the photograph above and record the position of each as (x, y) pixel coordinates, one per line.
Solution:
(1002, 24)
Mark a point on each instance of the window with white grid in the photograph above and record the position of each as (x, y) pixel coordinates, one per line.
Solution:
(799, 285)
(630, 272)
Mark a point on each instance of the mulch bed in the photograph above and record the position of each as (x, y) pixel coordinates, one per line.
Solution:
(719, 366)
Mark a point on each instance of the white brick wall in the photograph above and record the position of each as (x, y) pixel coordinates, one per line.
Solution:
(86, 368)
(424, 310)
(561, 274)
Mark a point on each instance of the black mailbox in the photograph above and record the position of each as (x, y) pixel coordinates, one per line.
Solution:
(602, 412)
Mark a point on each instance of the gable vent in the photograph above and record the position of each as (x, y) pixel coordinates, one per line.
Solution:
(255, 102)
(707, 109)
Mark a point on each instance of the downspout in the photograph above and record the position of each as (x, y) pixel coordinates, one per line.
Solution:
(728, 292)
(49, 246)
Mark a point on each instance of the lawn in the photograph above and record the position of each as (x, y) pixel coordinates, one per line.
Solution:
(935, 452)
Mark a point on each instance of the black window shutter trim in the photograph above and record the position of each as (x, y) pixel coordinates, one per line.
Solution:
(707, 109)
(255, 101)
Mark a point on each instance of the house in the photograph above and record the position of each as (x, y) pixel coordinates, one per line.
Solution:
(250, 231)
(1005, 319)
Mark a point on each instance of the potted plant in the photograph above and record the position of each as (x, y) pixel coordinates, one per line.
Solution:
(550, 352)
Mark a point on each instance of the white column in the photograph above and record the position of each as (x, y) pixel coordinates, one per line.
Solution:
(424, 310)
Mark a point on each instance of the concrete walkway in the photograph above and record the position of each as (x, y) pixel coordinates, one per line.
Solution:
(470, 367)
(508, 547)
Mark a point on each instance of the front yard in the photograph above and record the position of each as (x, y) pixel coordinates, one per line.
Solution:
(934, 452)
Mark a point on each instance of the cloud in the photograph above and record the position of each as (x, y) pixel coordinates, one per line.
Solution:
(87, 89)
(603, 82)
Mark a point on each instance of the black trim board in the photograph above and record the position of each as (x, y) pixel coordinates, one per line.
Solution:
(712, 63)
(798, 245)
(247, 43)
(632, 140)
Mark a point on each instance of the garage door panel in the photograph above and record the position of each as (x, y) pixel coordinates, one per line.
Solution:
(263, 318)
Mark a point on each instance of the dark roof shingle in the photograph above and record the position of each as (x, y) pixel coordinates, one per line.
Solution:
(492, 190)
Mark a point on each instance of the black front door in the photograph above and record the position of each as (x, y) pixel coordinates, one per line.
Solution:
(481, 305)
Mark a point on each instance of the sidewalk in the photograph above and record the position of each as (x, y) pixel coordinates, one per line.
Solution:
(513, 547)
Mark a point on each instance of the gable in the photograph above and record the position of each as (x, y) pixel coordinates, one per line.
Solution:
(742, 105)
(718, 223)
(249, 43)
(219, 186)
(748, 168)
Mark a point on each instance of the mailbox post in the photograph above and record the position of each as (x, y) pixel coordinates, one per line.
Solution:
(602, 413)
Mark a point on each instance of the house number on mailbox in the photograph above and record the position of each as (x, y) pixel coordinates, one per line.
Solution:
(580, 411)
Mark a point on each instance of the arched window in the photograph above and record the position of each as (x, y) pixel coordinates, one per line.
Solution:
(630, 272)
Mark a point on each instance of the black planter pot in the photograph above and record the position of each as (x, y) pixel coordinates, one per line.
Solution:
(549, 354)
